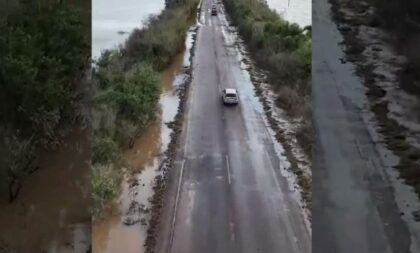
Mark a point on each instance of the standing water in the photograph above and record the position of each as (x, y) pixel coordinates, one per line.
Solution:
(113, 20)
(123, 231)
(51, 213)
(295, 11)
(124, 228)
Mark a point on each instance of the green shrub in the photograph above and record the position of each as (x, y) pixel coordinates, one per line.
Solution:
(44, 52)
(283, 49)
(135, 96)
(128, 88)
(105, 185)
(44, 55)
(162, 38)
(105, 150)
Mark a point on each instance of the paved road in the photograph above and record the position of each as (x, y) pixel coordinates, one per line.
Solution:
(232, 196)
(354, 205)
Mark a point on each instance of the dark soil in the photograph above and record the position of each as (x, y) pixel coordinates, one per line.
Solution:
(393, 132)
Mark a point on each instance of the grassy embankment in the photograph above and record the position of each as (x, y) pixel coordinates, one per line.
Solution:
(128, 88)
(44, 58)
(282, 49)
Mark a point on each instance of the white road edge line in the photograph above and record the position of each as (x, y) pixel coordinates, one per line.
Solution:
(228, 168)
(176, 206)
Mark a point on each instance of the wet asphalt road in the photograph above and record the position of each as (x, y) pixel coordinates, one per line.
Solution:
(227, 192)
(354, 207)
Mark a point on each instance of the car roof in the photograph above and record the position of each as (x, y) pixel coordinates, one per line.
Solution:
(230, 91)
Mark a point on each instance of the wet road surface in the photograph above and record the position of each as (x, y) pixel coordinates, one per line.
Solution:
(227, 192)
(354, 207)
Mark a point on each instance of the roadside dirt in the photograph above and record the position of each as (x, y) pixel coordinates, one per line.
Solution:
(380, 66)
(395, 108)
(285, 133)
(169, 155)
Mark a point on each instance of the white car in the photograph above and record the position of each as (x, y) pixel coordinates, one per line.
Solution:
(230, 96)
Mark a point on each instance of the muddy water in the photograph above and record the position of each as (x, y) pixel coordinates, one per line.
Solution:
(113, 20)
(51, 213)
(111, 235)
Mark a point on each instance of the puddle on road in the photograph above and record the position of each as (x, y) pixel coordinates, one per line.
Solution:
(51, 213)
(111, 235)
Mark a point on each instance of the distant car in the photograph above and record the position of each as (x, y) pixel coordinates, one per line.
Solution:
(230, 97)
(214, 10)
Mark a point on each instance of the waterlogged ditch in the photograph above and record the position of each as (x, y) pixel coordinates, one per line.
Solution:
(126, 226)
(46, 220)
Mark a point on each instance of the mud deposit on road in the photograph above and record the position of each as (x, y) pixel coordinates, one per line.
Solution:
(51, 212)
(393, 114)
(126, 228)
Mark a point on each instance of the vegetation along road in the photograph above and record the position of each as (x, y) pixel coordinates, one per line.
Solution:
(229, 193)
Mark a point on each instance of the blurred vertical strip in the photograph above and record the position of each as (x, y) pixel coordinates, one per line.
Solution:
(45, 125)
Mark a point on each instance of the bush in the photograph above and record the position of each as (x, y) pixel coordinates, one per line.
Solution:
(290, 100)
(104, 151)
(17, 162)
(44, 55)
(135, 96)
(125, 133)
(284, 50)
(162, 38)
(44, 52)
(305, 131)
(105, 185)
(128, 84)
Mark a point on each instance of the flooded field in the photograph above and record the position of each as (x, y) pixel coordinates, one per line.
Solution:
(125, 231)
(113, 20)
(296, 11)
(51, 213)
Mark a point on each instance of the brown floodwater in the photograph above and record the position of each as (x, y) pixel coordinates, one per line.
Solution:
(110, 234)
(51, 213)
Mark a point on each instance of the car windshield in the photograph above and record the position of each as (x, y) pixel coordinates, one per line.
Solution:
(231, 95)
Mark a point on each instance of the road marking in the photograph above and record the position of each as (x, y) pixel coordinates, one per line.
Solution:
(176, 206)
(228, 168)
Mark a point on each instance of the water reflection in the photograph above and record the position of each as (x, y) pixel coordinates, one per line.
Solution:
(113, 20)
(296, 11)
(51, 213)
(141, 161)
